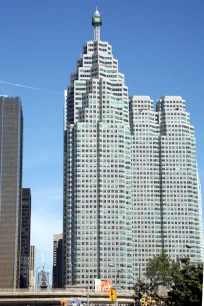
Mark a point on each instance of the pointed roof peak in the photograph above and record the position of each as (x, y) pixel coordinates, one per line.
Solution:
(96, 23)
(96, 12)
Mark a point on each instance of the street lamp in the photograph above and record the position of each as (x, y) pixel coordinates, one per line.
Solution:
(114, 266)
(193, 246)
(119, 270)
(192, 260)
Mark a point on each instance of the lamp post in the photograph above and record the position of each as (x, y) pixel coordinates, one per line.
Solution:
(119, 270)
(88, 296)
(114, 266)
(189, 247)
(193, 246)
(139, 279)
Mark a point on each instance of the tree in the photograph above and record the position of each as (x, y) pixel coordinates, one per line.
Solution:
(160, 271)
(140, 287)
(187, 287)
(182, 280)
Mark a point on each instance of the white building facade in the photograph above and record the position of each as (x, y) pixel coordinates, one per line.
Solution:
(32, 268)
(147, 235)
(97, 176)
(131, 186)
(166, 195)
(180, 187)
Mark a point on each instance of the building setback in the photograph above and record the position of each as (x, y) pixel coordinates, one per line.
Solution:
(11, 143)
(25, 237)
(97, 168)
(179, 181)
(57, 261)
(32, 268)
(166, 195)
(145, 182)
(131, 185)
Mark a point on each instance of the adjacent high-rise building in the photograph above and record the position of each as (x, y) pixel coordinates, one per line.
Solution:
(131, 185)
(57, 261)
(97, 168)
(25, 237)
(180, 191)
(32, 268)
(147, 234)
(11, 143)
(166, 193)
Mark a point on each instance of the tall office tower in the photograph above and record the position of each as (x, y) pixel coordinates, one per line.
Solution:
(32, 268)
(57, 261)
(11, 143)
(166, 190)
(25, 237)
(146, 182)
(97, 227)
(180, 187)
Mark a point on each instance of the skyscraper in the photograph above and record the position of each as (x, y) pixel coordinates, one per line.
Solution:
(97, 226)
(147, 236)
(57, 261)
(11, 143)
(166, 195)
(25, 237)
(180, 187)
(131, 184)
(32, 267)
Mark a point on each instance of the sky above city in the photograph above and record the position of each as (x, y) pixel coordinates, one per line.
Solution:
(160, 48)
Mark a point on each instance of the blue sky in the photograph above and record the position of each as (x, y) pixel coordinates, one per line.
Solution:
(160, 48)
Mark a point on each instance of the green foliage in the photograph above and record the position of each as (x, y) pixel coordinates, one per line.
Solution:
(160, 271)
(183, 280)
(140, 287)
(187, 288)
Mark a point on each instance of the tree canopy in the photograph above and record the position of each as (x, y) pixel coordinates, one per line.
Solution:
(182, 280)
(160, 271)
(187, 288)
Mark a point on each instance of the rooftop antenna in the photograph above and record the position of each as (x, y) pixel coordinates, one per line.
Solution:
(96, 23)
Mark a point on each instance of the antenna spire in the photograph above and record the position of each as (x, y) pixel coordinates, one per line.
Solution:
(96, 23)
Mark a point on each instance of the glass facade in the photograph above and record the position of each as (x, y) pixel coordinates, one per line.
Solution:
(147, 236)
(57, 261)
(97, 170)
(180, 186)
(25, 237)
(32, 267)
(166, 193)
(11, 140)
(131, 185)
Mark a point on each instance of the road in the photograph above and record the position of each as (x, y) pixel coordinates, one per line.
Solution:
(54, 297)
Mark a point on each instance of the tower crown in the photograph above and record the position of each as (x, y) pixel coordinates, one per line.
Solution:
(97, 13)
(96, 23)
(96, 19)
